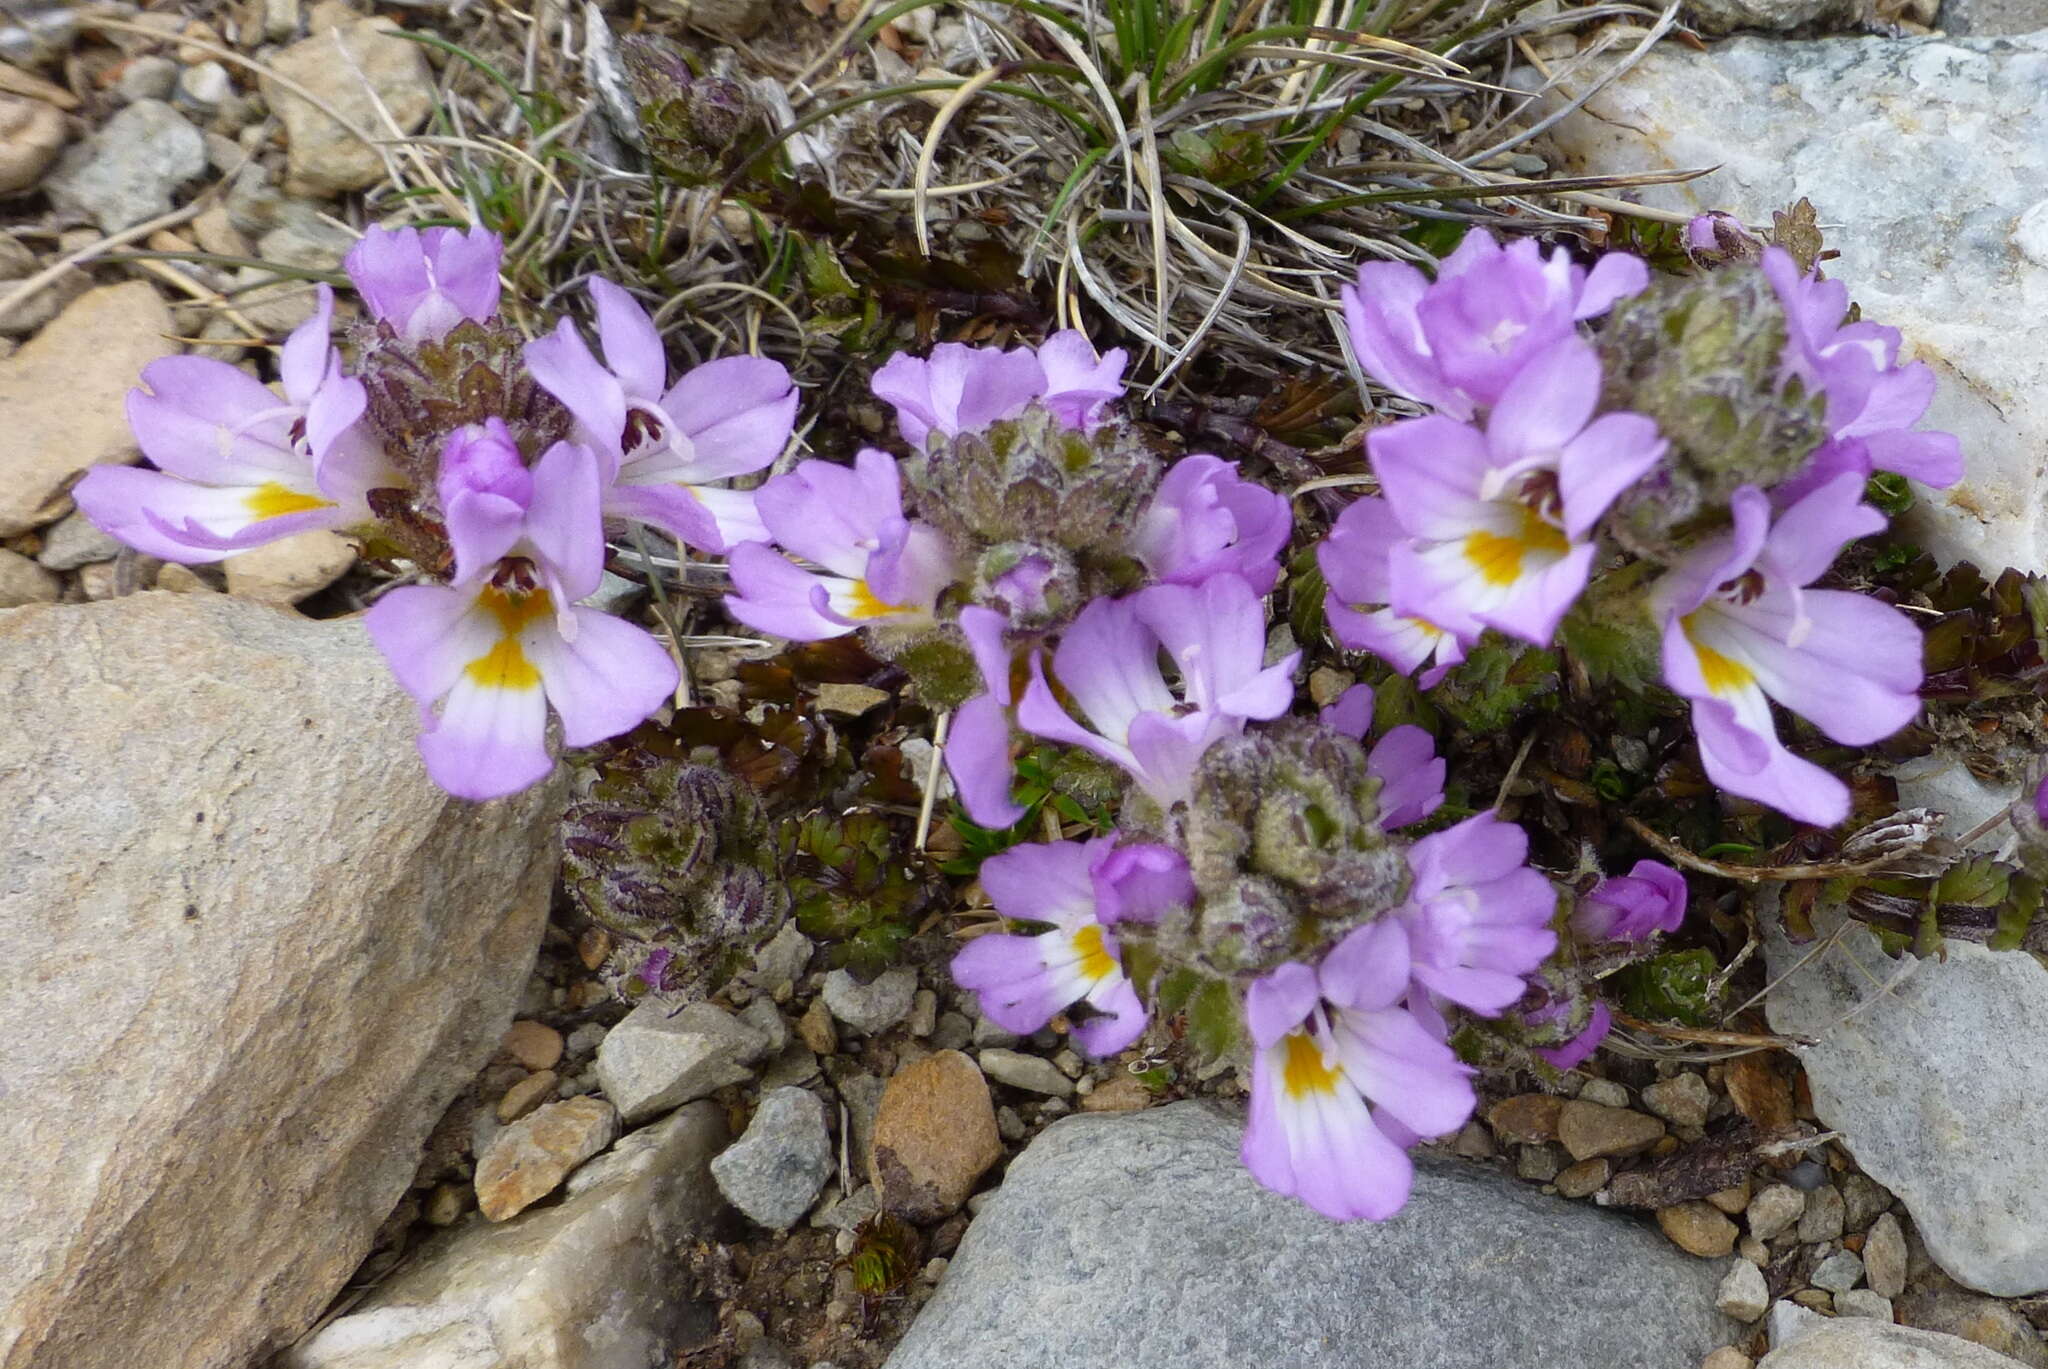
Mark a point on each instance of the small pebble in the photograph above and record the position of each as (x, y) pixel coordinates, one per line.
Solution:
(1682, 1100)
(1731, 1200)
(1538, 1164)
(1118, 1093)
(445, 1204)
(1816, 1299)
(951, 1033)
(1822, 1220)
(586, 1039)
(1525, 1118)
(1474, 1142)
(1807, 1175)
(1697, 1229)
(1605, 1092)
(1727, 1357)
(1884, 1257)
(1838, 1273)
(1032, 1073)
(1774, 1210)
(762, 1015)
(526, 1095)
(987, 1033)
(1069, 1064)
(1590, 1130)
(1743, 1294)
(816, 1029)
(1584, 1178)
(1863, 1199)
(1788, 1319)
(774, 1171)
(873, 1007)
(528, 1159)
(1863, 1302)
(1009, 1126)
(924, 1013)
(1753, 1250)
(535, 1045)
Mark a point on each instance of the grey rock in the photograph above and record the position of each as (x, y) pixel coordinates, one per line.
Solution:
(1992, 18)
(874, 1007)
(1789, 1321)
(587, 1283)
(1032, 1073)
(1605, 1092)
(1861, 1343)
(1938, 254)
(148, 77)
(236, 905)
(585, 1040)
(987, 1033)
(1774, 1209)
(129, 170)
(206, 85)
(1863, 1302)
(861, 1092)
(654, 1061)
(762, 1016)
(782, 961)
(844, 1214)
(1682, 1100)
(73, 541)
(1139, 1240)
(1717, 17)
(1884, 1256)
(1839, 1272)
(1823, 1218)
(1884, 1074)
(1742, 1294)
(22, 581)
(795, 1065)
(774, 1171)
(1863, 1198)
(951, 1032)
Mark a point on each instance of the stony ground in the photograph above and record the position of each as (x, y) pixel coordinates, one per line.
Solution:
(790, 1174)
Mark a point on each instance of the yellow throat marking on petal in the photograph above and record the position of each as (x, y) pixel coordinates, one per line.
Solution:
(1304, 1071)
(863, 603)
(272, 500)
(1723, 675)
(1498, 559)
(505, 665)
(1096, 961)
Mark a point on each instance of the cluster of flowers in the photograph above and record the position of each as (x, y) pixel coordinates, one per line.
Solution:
(493, 465)
(1493, 505)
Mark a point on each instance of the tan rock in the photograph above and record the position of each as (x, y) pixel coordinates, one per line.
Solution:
(250, 955)
(526, 1095)
(1697, 1229)
(1591, 1130)
(535, 1045)
(1584, 1178)
(335, 63)
(1527, 1118)
(63, 396)
(179, 579)
(529, 1159)
(1727, 1357)
(1118, 1093)
(934, 1137)
(31, 136)
(22, 581)
(290, 569)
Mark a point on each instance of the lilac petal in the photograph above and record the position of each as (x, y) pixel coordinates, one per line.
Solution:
(1044, 881)
(1616, 276)
(1122, 1021)
(428, 634)
(1009, 975)
(1541, 601)
(1686, 586)
(1411, 776)
(987, 634)
(1414, 1077)
(1353, 558)
(1351, 714)
(1574, 1052)
(204, 420)
(1613, 452)
(1478, 850)
(1482, 991)
(466, 268)
(1165, 750)
(302, 361)
(178, 520)
(1387, 339)
(1077, 381)
(1039, 712)
(774, 596)
(1808, 537)
(957, 389)
(1368, 969)
(488, 743)
(1276, 1003)
(1141, 882)
(1932, 458)
(978, 758)
(563, 364)
(632, 348)
(1855, 673)
(912, 570)
(564, 524)
(738, 413)
(1757, 766)
(1109, 664)
(678, 511)
(1432, 470)
(1546, 404)
(606, 680)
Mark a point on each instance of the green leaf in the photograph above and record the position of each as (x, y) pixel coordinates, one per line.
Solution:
(1672, 987)
(1215, 1023)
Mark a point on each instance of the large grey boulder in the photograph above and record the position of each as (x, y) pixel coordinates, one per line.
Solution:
(588, 1283)
(1936, 1074)
(1139, 1241)
(248, 954)
(1928, 160)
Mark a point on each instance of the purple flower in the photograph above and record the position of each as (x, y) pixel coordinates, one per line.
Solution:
(665, 443)
(238, 466)
(505, 641)
(1205, 519)
(1458, 344)
(423, 283)
(1716, 239)
(962, 389)
(1870, 398)
(1740, 629)
(1649, 899)
(1501, 518)
(978, 741)
(1107, 663)
(1574, 1052)
(1405, 762)
(1083, 890)
(1355, 560)
(882, 567)
(1339, 1064)
(1477, 917)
